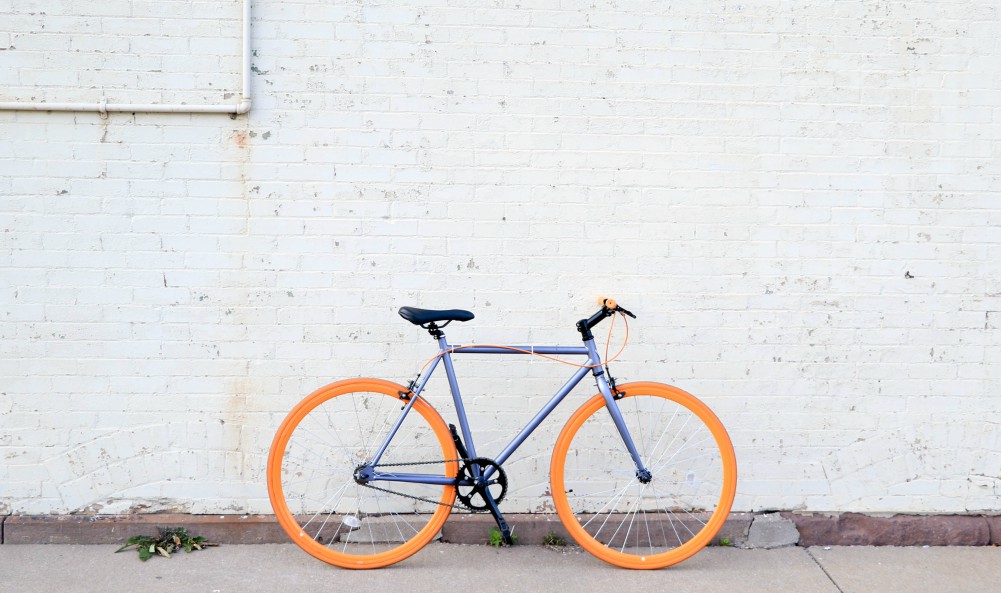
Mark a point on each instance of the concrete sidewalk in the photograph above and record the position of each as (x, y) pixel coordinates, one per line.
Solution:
(520, 569)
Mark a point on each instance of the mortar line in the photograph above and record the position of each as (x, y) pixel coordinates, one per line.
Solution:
(824, 570)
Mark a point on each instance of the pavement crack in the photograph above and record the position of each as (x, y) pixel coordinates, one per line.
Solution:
(824, 570)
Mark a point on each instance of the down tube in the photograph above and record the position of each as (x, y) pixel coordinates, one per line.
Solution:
(543, 413)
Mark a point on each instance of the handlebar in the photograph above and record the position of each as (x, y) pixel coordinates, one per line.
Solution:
(608, 308)
(613, 307)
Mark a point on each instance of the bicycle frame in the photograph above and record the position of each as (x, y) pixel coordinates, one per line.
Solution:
(445, 355)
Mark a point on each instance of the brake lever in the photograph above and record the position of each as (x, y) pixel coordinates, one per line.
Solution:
(627, 312)
(610, 306)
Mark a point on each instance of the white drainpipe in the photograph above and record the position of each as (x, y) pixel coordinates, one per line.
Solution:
(104, 107)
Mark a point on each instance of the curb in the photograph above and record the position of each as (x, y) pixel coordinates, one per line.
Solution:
(535, 529)
(115, 529)
(854, 529)
(746, 530)
(531, 529)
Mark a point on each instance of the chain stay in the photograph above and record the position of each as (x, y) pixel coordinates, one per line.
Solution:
(421, 498)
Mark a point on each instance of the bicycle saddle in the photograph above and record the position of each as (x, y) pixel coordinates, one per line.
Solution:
(422, 316)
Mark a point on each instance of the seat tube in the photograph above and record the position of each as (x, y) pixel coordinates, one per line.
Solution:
(460, 409)
(612, 405)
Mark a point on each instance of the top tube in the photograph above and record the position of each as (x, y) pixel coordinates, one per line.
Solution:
(561, 350)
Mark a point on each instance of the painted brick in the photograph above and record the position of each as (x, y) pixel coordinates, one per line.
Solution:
(804, 212)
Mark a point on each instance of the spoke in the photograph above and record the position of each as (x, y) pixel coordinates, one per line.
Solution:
(666, 428)
(338, 494)
(290, 484)
(670, 520)
(364, 435)
(614, 503)
(320, 433)
(659, 496)
(673, 439)
(710, 454)
(632, 516)
(614, 489)
(688, 442)
(298, 445)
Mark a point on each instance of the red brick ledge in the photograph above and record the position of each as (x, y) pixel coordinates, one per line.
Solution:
(461, 528)
(847, 529)
(115, 529)
(855, 529)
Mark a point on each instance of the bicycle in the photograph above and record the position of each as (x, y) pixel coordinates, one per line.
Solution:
(364, 472)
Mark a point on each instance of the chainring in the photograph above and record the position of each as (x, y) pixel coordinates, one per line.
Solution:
(466, 493)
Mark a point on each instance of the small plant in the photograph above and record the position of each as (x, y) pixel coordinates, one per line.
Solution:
(168, 541)
(725, 542)
(551, 539)
(495, 539)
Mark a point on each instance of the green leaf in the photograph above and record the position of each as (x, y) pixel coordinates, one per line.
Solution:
(168, 542)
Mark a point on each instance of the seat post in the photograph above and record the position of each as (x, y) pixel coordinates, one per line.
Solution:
(434, 330)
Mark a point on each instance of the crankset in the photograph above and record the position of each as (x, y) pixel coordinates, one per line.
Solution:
(472, 489)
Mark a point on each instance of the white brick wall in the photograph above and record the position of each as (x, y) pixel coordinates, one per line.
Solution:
(799, 200)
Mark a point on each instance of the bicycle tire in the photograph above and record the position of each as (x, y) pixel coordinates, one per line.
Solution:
(610, 511)
(311, 468)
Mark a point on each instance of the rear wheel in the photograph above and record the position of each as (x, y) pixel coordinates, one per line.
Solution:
(311, 474)
(650, 521)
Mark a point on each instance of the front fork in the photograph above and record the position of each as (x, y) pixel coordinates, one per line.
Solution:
(612, 405)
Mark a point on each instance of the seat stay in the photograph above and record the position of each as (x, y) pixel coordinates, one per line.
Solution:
(414, 394)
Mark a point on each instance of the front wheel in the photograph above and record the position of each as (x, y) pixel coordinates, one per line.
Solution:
(342, 519)
(644, 521)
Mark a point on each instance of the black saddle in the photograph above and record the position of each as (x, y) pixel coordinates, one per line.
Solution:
(423, 316)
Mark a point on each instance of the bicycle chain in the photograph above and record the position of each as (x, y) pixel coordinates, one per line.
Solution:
(421, 498)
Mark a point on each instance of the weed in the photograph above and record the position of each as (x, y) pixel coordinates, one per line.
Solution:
(495, 539)
(166, 542)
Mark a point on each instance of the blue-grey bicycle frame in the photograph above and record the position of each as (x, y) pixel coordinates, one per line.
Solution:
(445, 355)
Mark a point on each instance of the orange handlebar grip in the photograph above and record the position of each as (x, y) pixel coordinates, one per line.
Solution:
(610, 303)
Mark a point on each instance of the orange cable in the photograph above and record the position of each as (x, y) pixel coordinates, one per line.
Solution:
(546, 356)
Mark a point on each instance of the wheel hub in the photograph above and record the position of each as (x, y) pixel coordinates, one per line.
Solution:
(363, 474)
